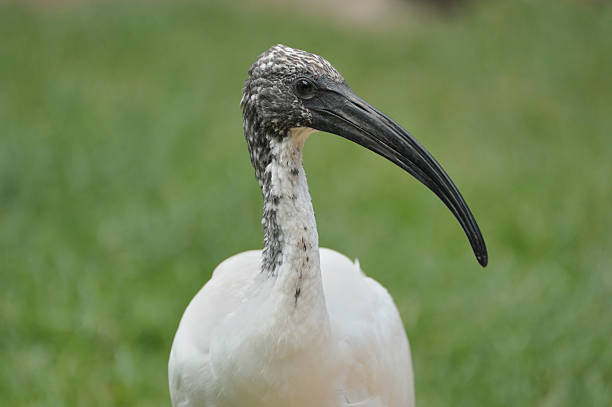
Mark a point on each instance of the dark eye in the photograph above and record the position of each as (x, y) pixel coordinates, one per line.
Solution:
(304, 88)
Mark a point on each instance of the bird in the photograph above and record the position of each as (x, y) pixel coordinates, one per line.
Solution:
(293, 324)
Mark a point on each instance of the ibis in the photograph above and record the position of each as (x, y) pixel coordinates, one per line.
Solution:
(295, 325)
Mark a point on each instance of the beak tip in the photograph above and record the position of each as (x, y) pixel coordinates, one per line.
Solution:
(483, 259)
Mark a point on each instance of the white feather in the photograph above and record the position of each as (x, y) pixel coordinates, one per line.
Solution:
(362, 360)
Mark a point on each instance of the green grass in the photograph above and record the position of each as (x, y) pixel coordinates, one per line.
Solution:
(124, 179)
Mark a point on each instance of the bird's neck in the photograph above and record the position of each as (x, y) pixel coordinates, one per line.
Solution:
(291, 244)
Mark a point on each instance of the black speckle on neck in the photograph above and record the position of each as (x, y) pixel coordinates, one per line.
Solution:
(298, 292)
(272, 248)
(260, 149)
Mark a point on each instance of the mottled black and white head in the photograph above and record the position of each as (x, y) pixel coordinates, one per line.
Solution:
(275, 97)
(289, 89)
(280, 82)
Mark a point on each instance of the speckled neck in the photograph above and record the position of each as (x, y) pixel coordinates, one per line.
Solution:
(291, 244)
(288, 218)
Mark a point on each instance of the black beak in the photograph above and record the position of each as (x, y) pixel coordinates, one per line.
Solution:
(337, 109)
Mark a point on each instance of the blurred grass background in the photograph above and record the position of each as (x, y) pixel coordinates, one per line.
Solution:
(124, 180)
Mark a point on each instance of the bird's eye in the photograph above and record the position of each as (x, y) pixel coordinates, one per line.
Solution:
(304, 88)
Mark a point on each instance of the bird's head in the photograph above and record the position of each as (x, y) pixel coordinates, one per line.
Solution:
(288, 88)
(281, 87)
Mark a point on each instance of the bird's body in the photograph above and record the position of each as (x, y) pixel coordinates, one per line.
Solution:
(293, 325)
(353, 354)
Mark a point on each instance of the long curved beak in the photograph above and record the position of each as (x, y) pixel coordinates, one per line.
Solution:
(340, 111)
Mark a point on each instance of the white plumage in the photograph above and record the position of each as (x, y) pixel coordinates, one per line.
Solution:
(358, 357)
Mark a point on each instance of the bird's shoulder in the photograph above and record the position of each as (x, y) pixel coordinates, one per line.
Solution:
(227, 287)
(369, 333)
(189, 364)
(348, 290)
